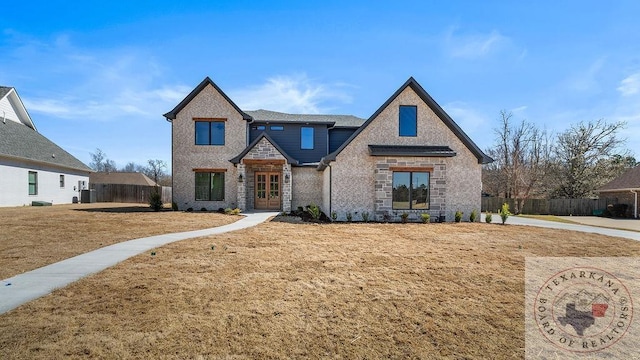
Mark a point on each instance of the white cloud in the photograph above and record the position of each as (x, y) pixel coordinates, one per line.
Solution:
(475, 45)
(290, 94)
(630, 85)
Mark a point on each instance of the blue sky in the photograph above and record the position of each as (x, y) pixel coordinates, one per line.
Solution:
(101, 74)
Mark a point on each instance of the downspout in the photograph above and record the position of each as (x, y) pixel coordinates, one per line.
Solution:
(330, 186)
(173, 200)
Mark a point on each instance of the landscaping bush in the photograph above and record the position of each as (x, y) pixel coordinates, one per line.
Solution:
(458, 216)
(155, 201)
(189, 210)
(204, 209)
(425, 218)
(314, 210)
(487, 217)
(334, 216)
(404, 217)
(236, 211)
(349, 216)
(365, 216)
(473, 216)
(228, 211)
(504, 213)
(221, 211)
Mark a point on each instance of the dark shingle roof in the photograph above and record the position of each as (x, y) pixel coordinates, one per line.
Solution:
(411, 150)
(22, 142)
(274, 116)
(628, 180)
(126, 178)
(4, 90)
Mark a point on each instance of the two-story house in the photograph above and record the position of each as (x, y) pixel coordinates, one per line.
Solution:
(409, 156)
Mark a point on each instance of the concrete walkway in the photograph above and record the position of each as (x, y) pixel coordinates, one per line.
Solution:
(31, 285)
(515, 220)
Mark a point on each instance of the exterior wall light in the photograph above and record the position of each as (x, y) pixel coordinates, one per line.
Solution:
(286, 178)
(240, 179)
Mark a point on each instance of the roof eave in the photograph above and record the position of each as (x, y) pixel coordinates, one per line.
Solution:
(24, 159)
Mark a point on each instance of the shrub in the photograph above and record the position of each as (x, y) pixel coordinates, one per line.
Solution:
(365, 216)
(189, 210)
(458, 216)
(504, 213)
(204, 209)
(236, 211)
(220, 210)
(404, 217)
(334, 216)
(155, 201)
(487, 217)
(174, 206)
(228, 211)
(349, 216)
(314, 210)
(473, 216)
(425, 218)
(386, 217)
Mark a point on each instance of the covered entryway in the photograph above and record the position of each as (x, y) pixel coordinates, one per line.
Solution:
(267, 190)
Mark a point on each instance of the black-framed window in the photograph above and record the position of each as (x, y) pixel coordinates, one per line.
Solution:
(306, 138)
(408, 121)
(260, 127)
(33, 183)
(210, 186)
(61, 181)
(410, 190)
(209, 132)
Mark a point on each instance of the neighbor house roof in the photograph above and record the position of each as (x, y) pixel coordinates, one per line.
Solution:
(124, 178)
(22, 142)
(413, 84)
(237, 159)
(629, 180)
(410, 150)
(338, 120)
(171, 115)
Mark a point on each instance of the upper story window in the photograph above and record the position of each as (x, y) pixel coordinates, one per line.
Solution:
(277, 128)
(260, 127)
(306, 138)
(210, 132)
(33, 183)
(408, 122)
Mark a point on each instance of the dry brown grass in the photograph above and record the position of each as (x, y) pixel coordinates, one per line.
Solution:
(283, 290)
(31, 237)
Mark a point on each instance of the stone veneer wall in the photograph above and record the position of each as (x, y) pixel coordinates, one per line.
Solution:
(307, 188)
(188, 156)
(354, 171)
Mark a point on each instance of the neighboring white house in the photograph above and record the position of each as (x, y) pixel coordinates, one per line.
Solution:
(32, 167)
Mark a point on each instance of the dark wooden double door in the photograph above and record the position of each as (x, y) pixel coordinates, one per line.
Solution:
(267, 191)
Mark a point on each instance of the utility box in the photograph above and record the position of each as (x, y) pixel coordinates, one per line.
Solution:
(88, 196)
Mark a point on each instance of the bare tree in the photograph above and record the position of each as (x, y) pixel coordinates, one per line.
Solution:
(156, 169)
(133, 167)
(100, 162)
(588, 155)
(523, 160)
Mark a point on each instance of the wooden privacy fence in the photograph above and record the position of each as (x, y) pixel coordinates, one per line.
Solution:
(129, 193)
(560, 207)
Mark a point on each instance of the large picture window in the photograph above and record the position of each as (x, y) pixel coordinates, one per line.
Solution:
(408, 122)
(410, 190)
(306, 138)
(33, 183)
(210, 186)
(209, 132)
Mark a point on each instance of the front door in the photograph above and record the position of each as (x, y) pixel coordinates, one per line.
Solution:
(267, 193)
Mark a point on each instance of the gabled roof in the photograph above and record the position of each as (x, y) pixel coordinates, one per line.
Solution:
(337, 120)
(126, 178)
(171, 115)
(22, 142)
(413, 84)
(16, 103)
(629, 180)
(237, 159)
(411, 150)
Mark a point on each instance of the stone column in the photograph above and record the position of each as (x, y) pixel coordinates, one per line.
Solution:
(286, 187)
(242, 192)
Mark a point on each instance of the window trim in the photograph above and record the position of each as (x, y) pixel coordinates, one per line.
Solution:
(400, 133)
(35, 183)
(313, 138)
(210, 192)
(411, 171)
(209, 121)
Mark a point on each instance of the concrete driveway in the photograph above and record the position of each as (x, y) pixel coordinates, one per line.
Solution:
(623, 224)
(515, 220)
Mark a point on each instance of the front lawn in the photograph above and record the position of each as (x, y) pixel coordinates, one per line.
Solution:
(282, 290)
